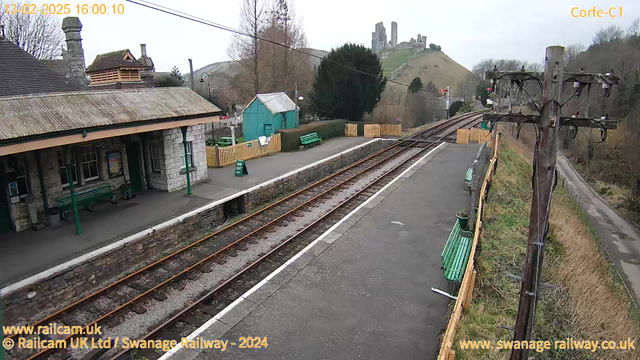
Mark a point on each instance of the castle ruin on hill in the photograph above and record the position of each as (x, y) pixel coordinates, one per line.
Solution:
(380, 43)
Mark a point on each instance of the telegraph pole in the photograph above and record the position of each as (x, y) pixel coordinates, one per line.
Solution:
(548, 124)
(544, 176)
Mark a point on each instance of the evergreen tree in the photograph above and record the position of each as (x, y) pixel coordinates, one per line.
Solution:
(416, 85)
(339, 92)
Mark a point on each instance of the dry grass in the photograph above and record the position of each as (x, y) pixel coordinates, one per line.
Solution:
(586, 304)
(601, 309)
(429, 65)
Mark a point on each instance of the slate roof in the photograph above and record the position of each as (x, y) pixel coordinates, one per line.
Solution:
(59, 66)
(32, 115)
(21, 73)
(113, 60)
(275, 102)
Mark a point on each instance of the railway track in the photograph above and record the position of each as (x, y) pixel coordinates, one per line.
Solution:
(160, 281)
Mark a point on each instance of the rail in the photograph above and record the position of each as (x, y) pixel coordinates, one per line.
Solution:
(186, 312)
(404, 144)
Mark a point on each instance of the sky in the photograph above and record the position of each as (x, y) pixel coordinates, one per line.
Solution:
(468, 31)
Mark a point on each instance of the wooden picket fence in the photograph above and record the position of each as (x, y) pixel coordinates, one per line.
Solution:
(378, 130)
(351, 130)
(479, 135)
(391, 129)
(225, 156)
(372, 130)
(465, 294)
(464, 136)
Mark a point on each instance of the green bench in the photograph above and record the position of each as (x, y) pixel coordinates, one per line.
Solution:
(87, 198)
(468, 177)
(225, 141)
(310, 139)
(455, 255)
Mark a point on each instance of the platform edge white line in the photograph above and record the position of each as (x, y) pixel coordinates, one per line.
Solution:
(243, 297)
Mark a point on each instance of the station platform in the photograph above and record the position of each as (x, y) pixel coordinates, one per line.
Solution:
(30, 252)
(363, 288)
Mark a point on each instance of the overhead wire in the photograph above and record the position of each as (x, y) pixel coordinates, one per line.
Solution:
(202, 21)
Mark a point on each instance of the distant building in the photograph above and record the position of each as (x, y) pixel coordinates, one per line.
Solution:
(379, 38)
(394, 33)
(268, 113)
(105, 70)
(116, 70)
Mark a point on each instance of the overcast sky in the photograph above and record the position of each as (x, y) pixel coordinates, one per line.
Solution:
(468, 31)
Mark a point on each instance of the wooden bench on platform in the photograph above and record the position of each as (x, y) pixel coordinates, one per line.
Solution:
(87, 198)
(455, 256)
(310, 139)
(468, 177)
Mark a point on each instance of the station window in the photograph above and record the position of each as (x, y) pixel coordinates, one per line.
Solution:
(64, 180)
(17, 176)
(156, 159)
(90, 168)
(189, 155)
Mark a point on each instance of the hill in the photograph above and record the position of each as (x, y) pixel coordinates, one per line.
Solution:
(429, 65)
(232, 68)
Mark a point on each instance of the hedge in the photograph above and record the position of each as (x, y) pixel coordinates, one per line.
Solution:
(326, 129)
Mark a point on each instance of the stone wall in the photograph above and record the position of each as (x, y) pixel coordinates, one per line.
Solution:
(61, 288)
(305, 177)
(173, 148)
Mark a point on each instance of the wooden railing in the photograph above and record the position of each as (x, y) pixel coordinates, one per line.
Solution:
(225, 156)
(465, 293)
(377, 130)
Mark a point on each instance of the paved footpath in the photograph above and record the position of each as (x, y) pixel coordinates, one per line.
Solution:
(363, 290)
(621, 238)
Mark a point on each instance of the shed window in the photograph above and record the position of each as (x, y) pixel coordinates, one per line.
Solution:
(156, 160)
(90, 163)
(64, 180)
(189, 155)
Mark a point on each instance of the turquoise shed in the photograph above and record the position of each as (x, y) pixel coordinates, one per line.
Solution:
(267, 113)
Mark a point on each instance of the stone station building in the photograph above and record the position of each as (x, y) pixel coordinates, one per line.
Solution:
(135, 137)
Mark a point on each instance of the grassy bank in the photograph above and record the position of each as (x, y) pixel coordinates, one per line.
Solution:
(619, 197)
(579, 299)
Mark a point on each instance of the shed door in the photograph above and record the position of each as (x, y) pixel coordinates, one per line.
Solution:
(268, 130)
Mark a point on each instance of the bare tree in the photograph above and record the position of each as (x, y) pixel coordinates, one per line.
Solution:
(482, 67)
(634, 28)
(285, 68)
(247, 50)
(609, 34)
(571, 52)
(38, 34)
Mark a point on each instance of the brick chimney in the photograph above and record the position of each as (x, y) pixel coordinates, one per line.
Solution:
(74, 55)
